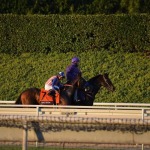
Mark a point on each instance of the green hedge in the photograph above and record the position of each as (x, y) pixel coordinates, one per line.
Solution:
(64, 33)
(129, 72)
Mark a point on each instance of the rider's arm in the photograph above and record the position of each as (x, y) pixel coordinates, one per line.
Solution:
(54, 84)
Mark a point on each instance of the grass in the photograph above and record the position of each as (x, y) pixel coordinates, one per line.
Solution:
(46, 148)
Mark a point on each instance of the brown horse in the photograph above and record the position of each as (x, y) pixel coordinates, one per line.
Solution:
(31, 96)
(88, 89)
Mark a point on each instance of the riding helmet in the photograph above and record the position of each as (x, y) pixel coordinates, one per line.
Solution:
(75, 60)
(61, 74)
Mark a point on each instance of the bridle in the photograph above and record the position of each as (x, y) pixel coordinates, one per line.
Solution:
(105, 80)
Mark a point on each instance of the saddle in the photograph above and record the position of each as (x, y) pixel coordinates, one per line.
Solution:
(47, 99)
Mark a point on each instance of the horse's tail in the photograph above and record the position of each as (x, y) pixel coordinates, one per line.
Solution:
(18, 101)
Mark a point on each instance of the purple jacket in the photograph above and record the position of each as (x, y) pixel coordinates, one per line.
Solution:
(72, 72)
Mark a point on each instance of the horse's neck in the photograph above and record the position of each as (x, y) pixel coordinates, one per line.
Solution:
(96, 84)
(96, 81)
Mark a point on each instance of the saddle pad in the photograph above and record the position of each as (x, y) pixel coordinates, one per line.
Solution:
(45, 97)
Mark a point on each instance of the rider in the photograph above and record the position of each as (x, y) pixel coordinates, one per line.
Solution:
(73, 72)
(53, 84)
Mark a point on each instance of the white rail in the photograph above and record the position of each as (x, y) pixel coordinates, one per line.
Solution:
(101, 104)
(135, 113)
(101, 110)
(7, 102)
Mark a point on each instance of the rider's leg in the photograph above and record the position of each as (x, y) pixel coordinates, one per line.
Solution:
(52, 93)
(76, 97)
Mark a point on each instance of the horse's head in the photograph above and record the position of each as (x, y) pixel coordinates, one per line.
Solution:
(102, 80)
(106, 82)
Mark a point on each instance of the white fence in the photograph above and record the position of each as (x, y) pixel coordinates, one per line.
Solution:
(105, 111)
(121, 110)
(98, 104)
(97, 116)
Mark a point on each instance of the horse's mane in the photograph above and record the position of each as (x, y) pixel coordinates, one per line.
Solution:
(94, 78)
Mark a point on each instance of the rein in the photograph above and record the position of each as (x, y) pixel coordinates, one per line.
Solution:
(90, 95)
(68, 85)
(71, 85)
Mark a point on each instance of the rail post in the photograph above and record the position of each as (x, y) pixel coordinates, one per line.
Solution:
(25, 136)
(37, 111)
(143, 114)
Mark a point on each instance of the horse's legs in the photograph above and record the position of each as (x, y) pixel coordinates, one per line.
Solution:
(64, 100)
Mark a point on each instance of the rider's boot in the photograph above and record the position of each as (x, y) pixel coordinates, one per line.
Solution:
(76, 97)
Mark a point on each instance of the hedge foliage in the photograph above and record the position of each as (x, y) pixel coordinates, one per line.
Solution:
(78, 33)
(129, 72)
(74, 6)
